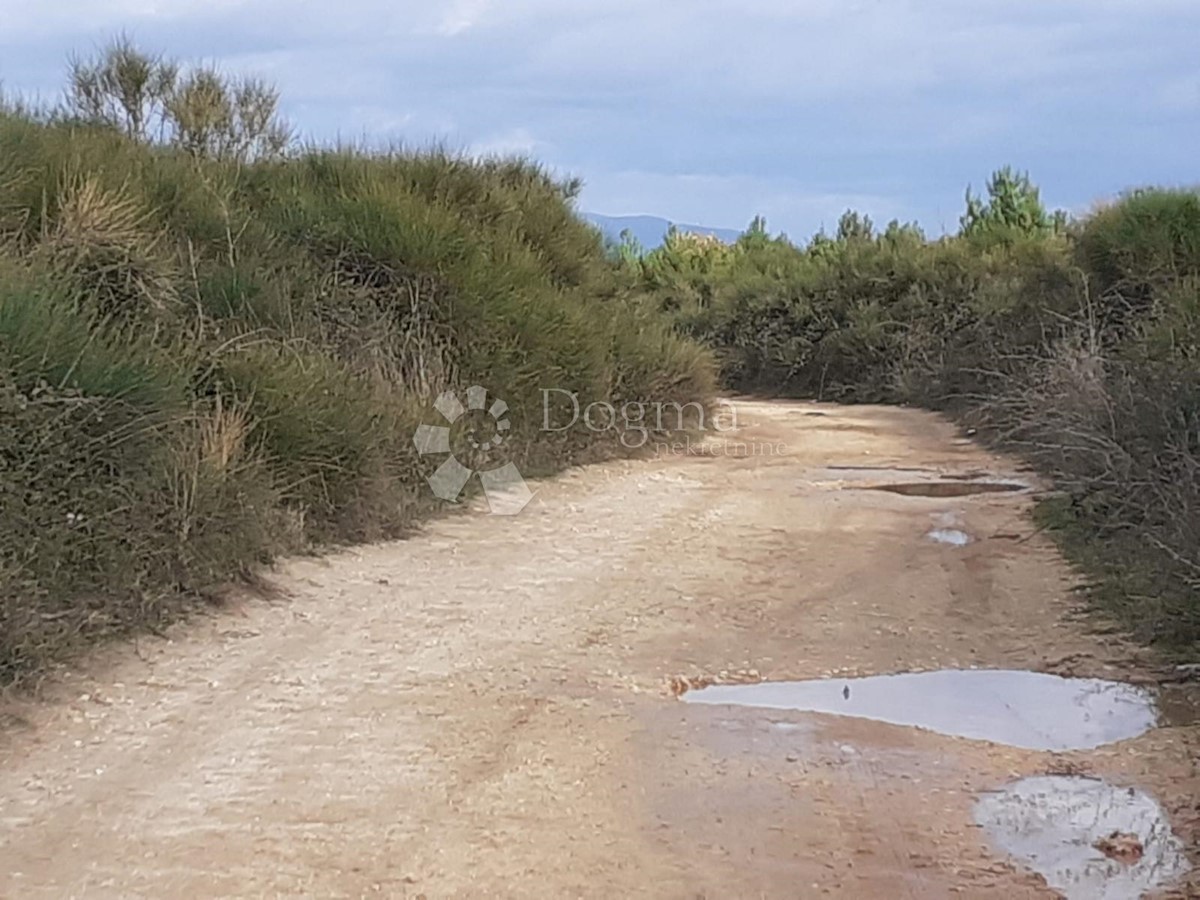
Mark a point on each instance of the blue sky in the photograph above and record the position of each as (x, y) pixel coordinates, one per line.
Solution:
(703, 111)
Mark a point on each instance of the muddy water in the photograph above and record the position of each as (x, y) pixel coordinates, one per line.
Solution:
(1021, 709)
(949, 488)
(1051, 824)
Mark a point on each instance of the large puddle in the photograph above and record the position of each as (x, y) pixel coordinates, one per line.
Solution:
(1021, 709)
(1088, 839)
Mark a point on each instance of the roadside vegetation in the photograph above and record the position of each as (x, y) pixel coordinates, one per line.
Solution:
(1074, 343)
(216, 345)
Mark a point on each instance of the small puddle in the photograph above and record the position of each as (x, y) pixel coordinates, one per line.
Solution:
(1052, 824)
(951, 536)
(1021, 709)
(881, 469)
(949, 488)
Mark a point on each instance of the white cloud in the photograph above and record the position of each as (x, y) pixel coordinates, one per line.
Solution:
(793, 108)
(49, 17)
(462, 15)
(513, 142)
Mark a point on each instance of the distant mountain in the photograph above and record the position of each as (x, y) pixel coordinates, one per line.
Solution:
(650, 230)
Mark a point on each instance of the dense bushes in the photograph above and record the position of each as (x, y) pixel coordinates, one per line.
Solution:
(215, 348)
(207, 361)
(1078, 345)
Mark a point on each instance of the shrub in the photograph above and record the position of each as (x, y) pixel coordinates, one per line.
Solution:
(1077, 347)
(209, 357)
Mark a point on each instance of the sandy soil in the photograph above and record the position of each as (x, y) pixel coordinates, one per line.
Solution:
(484, 710)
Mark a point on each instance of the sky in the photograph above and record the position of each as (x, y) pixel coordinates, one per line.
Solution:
(702, 111)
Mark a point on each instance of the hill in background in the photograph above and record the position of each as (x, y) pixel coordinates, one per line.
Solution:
(650, 230)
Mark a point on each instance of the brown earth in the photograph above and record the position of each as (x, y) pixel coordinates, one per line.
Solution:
(484, 710)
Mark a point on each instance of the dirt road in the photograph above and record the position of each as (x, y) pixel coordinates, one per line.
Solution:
(483, 710)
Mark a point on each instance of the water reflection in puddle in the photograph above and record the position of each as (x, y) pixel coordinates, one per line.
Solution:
(1020, 709)
(951, 536)
(1052, 824)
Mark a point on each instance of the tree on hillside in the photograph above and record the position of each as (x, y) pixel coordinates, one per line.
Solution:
(121, 87)
(758, 227)
(630, 250)
(225, 118)
(151, 98)
(756, 235)
(853, 226)
(1013, 209)
(902, 236)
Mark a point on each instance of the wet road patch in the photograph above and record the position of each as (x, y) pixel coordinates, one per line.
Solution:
(1030, 710)
(1086, 838)
(951, 536)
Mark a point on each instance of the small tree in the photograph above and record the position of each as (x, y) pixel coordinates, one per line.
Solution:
(758, 228)
(1013, 209)
(755, 236)
(199, 110)
(902, 235)
(855, 227)
(630, 250)
(224, 118)
(121, 87)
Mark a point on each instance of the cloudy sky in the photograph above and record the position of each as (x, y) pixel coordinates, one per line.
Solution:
(705, 111)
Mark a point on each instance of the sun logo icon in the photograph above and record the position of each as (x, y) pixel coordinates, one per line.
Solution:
(503, 487)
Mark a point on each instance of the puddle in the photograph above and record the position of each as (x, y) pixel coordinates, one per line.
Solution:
(1052, 824)
(951, 536)
(880, 469)
(949, 488)
(1021, 709)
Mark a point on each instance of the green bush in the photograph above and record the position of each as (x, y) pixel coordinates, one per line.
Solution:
(209, 358)
(1078, 347)
(322, 433)
(1136, 248)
